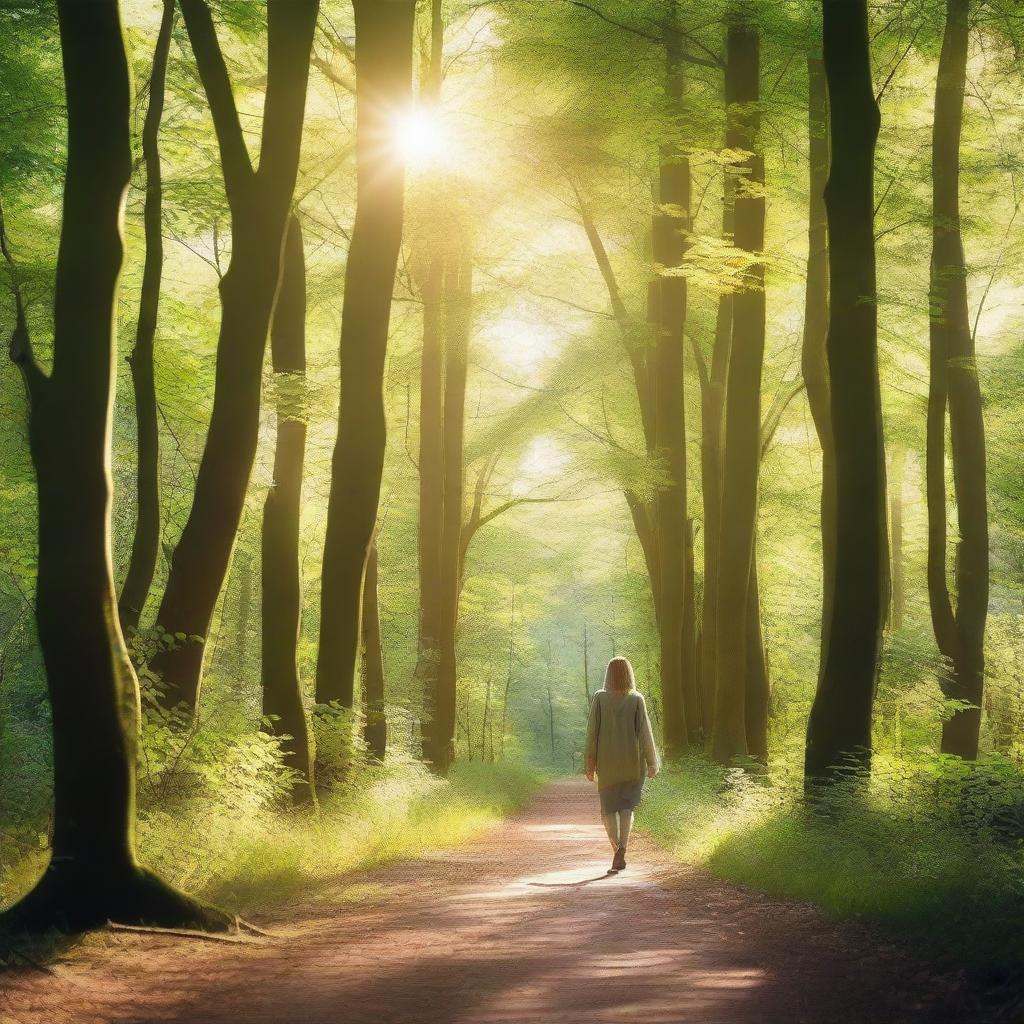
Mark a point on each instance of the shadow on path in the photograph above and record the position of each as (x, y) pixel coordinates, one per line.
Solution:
(466, 937)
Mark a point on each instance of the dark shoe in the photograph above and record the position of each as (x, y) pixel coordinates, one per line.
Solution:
(619, 861)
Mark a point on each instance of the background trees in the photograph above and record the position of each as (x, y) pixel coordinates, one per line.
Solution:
(578, 260)
(258, 200)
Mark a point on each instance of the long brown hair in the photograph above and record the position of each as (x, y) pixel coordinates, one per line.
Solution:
(618, 676)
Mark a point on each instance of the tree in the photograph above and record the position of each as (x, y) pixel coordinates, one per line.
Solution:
(93, 875)
(383, 59)
(662, 524)
(260, 202)
(458, 328)
(712, 406)
(282, 582)
(146, 539)
(813, 355)
(431, 463)
(742, 413)
(839, 728)
(375, 728)
(953, 383)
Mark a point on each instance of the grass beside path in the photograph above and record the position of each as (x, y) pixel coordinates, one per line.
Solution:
(392, 818)
(253, 858)
(932, 851)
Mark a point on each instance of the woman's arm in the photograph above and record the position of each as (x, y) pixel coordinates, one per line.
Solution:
(593, 728)
(650, 751)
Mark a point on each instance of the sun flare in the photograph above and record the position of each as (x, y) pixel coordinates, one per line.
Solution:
(422, 139)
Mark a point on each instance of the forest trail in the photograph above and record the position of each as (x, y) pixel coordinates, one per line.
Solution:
(522, 924)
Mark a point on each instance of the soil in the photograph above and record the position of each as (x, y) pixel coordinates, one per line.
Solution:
(522, 924)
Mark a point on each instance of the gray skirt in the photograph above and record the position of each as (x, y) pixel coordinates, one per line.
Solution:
(623, 796)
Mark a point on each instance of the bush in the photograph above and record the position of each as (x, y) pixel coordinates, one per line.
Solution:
(930, 848)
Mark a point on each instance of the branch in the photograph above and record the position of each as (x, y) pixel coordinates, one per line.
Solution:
(774, 417)
(236, 164)
(896, 66)
(711, 61)
(649, 36)
(333, 74)
(513, 503)
(20, 348)
(702, 366)
(601, 257)
(641, 377)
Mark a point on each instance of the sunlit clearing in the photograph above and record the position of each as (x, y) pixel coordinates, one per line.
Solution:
(422, 139)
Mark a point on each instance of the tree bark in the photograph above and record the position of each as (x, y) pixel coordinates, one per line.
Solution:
(431, 493)
(458, 324)
(146, 539)
(375, 729)
(711, 443)
(260, 203)
(383, 57)
(669, 509)
(839, 729)
(897, 598)
(508, 672)
(692, 703)
(430, 464)
(743, 402)
(757, 695)
(282, 510)
(93, 875)
(244, 604)
(813, 357)
(953, 381)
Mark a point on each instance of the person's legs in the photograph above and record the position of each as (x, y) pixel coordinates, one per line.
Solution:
(611, 825)
(625, 824)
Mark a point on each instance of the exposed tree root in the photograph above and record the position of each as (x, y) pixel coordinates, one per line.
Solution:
(71, 898)
(186, 933)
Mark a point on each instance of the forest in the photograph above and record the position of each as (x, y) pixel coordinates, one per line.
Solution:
(380, 369)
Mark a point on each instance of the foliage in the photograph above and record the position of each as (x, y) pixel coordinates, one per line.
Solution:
(931, 848)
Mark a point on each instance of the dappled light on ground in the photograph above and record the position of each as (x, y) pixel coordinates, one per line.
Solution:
(522, 924)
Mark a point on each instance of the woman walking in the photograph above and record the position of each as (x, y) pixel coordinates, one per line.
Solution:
(620, 745)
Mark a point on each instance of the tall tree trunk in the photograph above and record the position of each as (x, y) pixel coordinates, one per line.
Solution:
(375, 729)
(840, 721)
(897, 598)
(953, 380)
(431, 494)
(743, 401)
(146, 539)
(431, 444)
(93, 875)
(458, 323)
(383, 58)
(711, 443)
(508, 675)
(282, 581)
(244, 604)
(669, 510)
(260, 203)
(813, 357)
(692, 703)
(757, 694)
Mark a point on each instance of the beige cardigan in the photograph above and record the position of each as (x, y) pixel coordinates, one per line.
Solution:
(620, 741)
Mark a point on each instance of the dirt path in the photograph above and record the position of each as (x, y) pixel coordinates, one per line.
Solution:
(520, 925)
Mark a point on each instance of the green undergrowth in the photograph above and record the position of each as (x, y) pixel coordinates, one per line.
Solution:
(931, 850)
(236, 846)
(403, 812)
